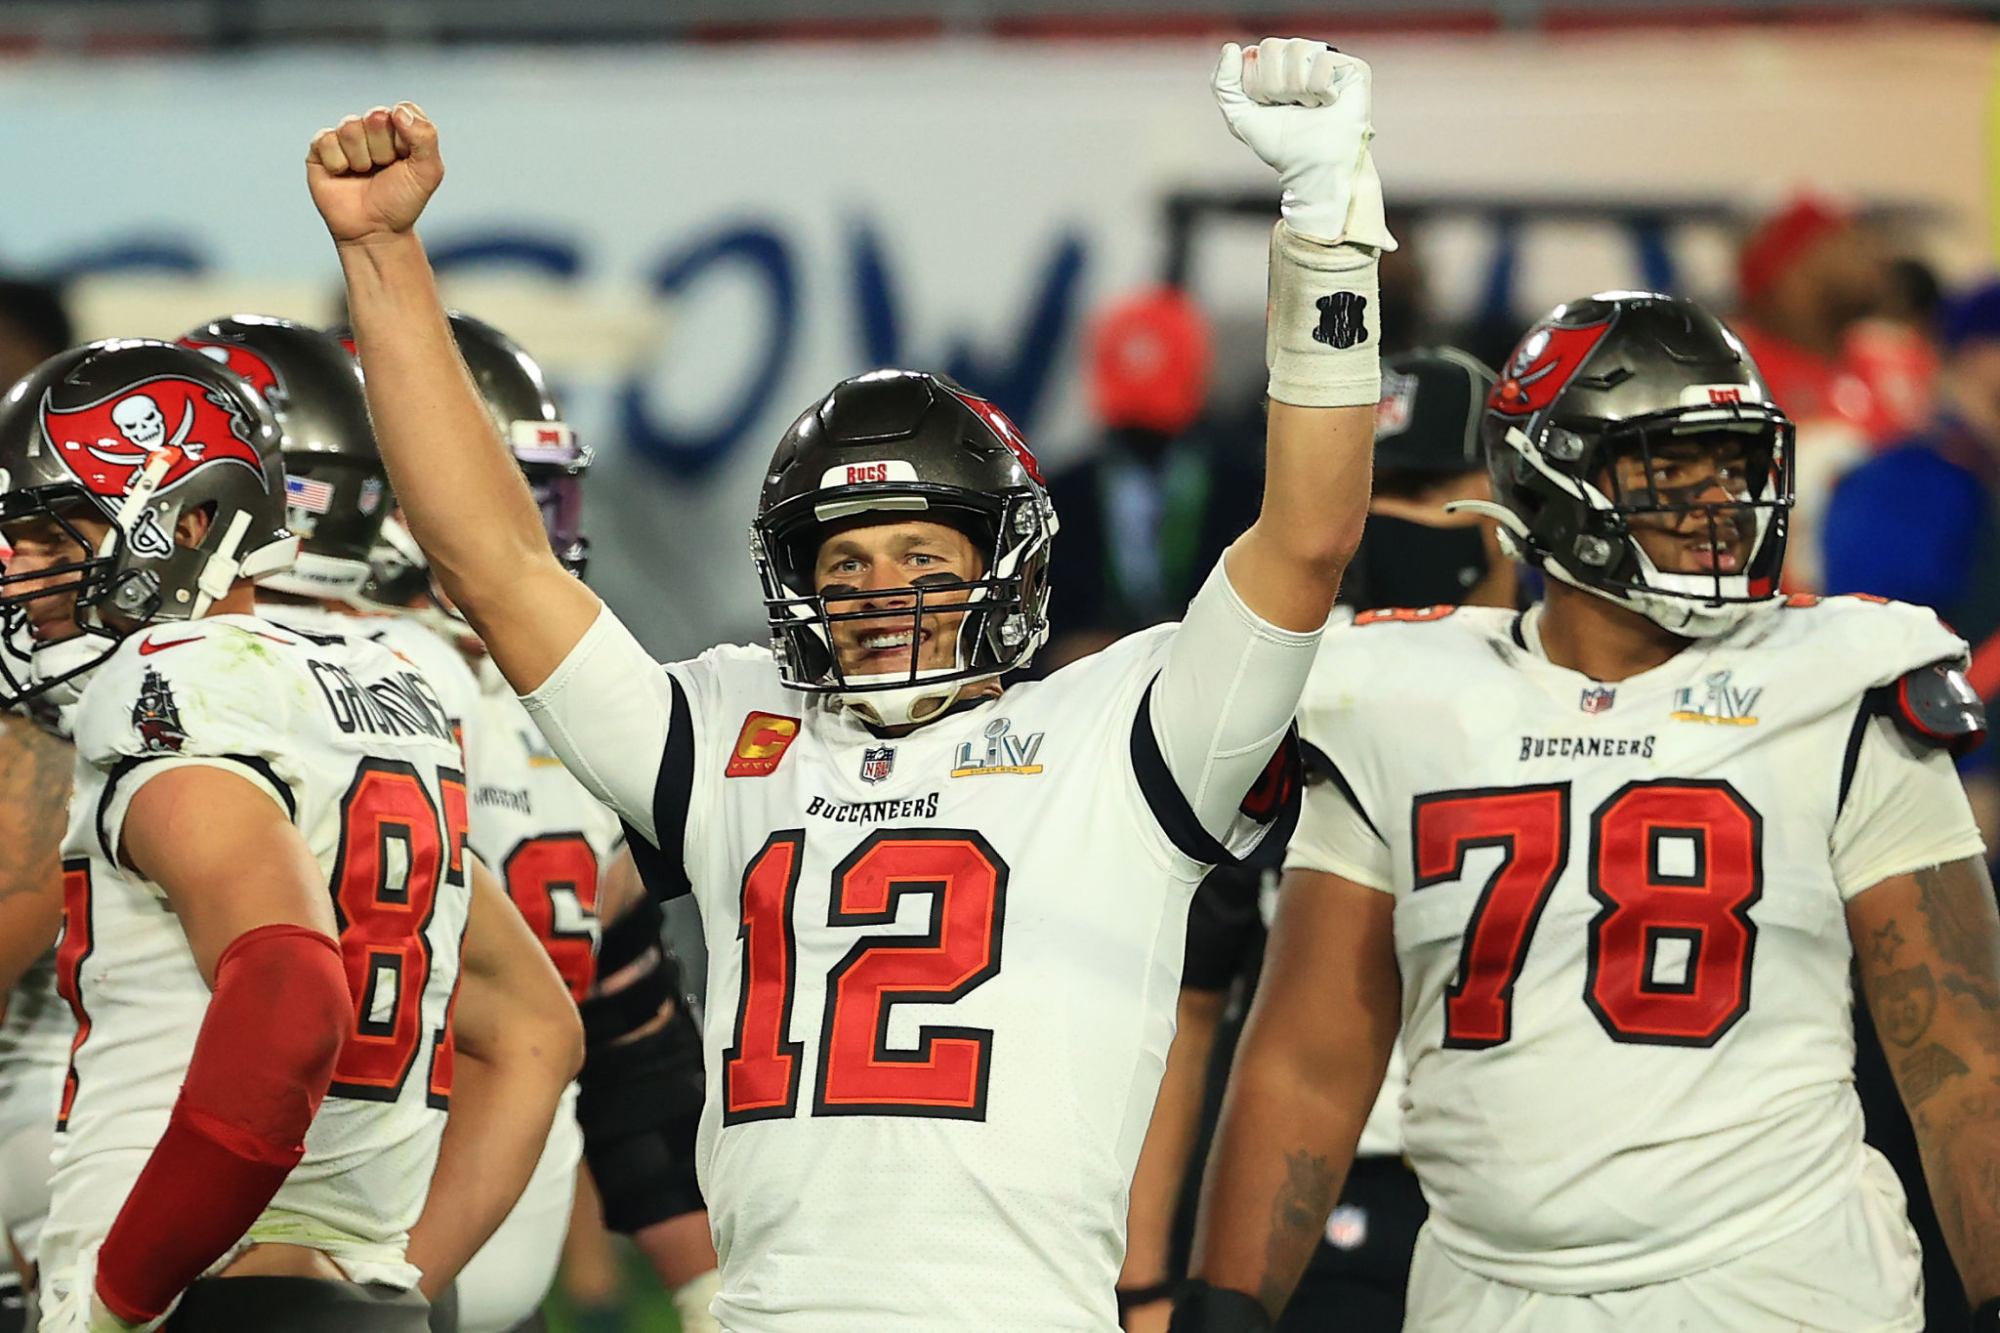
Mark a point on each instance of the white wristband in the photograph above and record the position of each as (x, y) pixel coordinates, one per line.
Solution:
(1322, 330)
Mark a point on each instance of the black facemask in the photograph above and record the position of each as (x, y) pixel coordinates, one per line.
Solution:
(1401, 563)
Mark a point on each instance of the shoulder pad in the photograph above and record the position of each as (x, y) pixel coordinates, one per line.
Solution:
(1938, 706)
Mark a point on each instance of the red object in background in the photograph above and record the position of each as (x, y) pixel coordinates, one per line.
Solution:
(1879, 386)
(1149, 363)
(1875, 392)
(1984, 673)
(1783, 237)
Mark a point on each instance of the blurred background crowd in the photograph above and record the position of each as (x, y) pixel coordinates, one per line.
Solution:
(698, 214)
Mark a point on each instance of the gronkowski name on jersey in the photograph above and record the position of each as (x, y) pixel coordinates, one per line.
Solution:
(1620, 918)
(354, 745)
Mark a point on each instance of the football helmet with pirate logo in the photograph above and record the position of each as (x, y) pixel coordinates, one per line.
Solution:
(336, 491)
(1630, 411)
(896, 446)
(125, 437)
(550, 456)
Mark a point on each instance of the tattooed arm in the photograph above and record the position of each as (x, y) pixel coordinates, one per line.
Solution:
(35, 774)
(1310, 1063)
(1928, 946)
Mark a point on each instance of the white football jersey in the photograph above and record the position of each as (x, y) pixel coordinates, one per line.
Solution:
(1620, 918)
(357, 748)
(456, 686)
(548, 840)
(542, 834)
(942, 974)
(35, 1038)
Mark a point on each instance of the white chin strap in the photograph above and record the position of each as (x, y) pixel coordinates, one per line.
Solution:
(906, 705)
(1685, 615)
(322, 576)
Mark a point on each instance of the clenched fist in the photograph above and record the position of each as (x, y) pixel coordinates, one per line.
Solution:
(372, 175)
(1305, 109)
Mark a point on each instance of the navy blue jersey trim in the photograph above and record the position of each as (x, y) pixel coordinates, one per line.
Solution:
(661, 864)
(1176, 818)
(124, 768)
(1321, 768)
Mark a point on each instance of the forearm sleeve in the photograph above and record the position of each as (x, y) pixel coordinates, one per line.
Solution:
(261, 1064)
(1225, 698)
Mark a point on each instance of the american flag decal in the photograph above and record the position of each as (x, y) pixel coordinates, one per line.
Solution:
(315, 497)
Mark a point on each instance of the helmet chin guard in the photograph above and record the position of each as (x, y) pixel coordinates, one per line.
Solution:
(890, 703)
(325, 577)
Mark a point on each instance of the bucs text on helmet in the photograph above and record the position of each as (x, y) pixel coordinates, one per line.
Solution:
(1621, 375)
(903, 445)
(517, 396)
(133, 434)
(336, 492)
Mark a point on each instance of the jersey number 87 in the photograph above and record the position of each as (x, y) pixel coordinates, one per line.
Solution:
(397, 846)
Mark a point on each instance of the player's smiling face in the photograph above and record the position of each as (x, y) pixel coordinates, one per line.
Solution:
(873, 566)
(38, 544)
(1700, 483)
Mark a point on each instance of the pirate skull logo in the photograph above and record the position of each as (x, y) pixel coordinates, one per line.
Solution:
(140, 420)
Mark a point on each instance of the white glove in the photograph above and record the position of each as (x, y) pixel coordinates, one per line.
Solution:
(1304, 108)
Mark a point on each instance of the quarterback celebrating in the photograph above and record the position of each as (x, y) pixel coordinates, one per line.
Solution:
(1607, 864)
(947, 919)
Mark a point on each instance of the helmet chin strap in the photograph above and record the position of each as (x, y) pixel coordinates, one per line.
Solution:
(1684, 616)
(1677, 615)
(325, 576)
(1509, 521)
(905, 706)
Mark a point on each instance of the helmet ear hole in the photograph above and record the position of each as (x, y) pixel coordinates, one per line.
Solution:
(194, 524)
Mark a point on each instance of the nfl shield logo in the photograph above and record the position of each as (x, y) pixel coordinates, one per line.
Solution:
(876, 761)
(1598, 698)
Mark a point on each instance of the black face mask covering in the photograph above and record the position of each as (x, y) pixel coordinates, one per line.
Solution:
(1413, 564)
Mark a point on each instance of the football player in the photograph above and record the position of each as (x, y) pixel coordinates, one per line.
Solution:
(553, 844)
(948, 916)
(35, 1025)
(257, 1082)
(1413, 553)
(1607, 865)
(336, 500)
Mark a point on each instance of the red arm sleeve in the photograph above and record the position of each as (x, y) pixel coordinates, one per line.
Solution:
(261, 1064)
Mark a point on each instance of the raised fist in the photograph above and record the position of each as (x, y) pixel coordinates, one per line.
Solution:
(1305, 109)
(372, 175)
